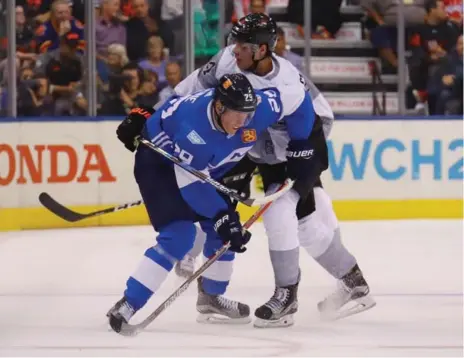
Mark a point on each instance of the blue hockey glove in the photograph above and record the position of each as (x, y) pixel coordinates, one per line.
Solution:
(227, 225)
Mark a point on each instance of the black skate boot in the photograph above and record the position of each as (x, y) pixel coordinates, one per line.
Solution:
(279, 310)
(218, 309)
(351, 288)
(120, 314)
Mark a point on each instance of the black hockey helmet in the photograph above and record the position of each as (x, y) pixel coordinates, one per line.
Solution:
(257, 29)
(235, 92)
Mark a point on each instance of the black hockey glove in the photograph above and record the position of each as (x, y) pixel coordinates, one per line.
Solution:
(227, 225)
(299, 155)
(301, 165)
(131, 127)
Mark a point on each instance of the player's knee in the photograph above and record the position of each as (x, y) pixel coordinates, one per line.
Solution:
(324, 207)
(281, 223)
(314, 234)
(177, 238)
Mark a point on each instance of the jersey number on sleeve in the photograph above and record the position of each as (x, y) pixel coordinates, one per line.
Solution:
(272, 101)
(208, 67)
(171, 109)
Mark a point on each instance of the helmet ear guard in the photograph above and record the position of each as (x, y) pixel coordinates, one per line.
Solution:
(219, 107)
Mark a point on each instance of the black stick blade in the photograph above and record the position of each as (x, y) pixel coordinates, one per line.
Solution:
(59, 210)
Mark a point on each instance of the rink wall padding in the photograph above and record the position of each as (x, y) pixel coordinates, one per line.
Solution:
(380, 168)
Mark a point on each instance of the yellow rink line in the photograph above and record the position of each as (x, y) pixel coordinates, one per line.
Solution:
(40, 218)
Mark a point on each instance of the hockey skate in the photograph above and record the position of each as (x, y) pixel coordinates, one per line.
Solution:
(185, 267)
(279, 310)
(218, 309)
(120, 313)
(352, 290)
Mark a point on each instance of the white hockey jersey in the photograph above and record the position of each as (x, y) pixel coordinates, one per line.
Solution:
(291, 83)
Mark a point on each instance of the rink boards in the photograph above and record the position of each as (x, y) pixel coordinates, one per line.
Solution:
(379, 169)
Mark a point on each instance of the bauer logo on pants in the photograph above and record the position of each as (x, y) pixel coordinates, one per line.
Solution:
(249, 135)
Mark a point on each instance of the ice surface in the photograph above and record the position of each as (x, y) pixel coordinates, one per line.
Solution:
(57, 285)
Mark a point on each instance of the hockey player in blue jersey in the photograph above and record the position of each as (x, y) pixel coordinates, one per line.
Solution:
(210, 130)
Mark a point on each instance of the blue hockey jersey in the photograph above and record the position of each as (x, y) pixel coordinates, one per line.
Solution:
(184, 126)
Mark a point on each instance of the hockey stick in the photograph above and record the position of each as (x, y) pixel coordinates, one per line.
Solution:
(218, 186)
(72, 216)
(132, 330)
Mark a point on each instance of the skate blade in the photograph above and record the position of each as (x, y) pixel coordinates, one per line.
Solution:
(213, 318)
(285, 321)
(361, 304)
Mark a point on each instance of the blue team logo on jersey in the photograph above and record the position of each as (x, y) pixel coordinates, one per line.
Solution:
(195, 138)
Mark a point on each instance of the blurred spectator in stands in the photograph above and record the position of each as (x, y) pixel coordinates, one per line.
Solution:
(109, 29)
(326, 19)
(140, 27)
(116, 59)
(25, 56)
(64, 68)
(33, 97)
(445, 87)
(124, 91)
(157, 58)
(36, 12)
(148, 93)
(78, 8)
(61, 22)
(245, 7)
(174, 76)
(281, 50)
(430, 43)
(171, 13)
(25, 75)
(258, 6)
(454, 10)
(24, 35)
(39, 10)
(383, 35)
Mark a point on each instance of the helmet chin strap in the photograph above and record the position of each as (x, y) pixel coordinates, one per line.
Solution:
(255, 63)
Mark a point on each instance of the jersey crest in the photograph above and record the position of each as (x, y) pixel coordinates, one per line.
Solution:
(249, 136)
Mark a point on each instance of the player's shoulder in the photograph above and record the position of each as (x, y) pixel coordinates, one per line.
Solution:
(287, 73)
(224, 61)
(195, 110)
(291, 85)
(185, 108)
(289, 81)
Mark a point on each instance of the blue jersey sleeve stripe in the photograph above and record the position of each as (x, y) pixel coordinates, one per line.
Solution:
(183, 177)
(300, 123)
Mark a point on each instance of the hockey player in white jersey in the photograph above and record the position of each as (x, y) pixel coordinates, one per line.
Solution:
(303, 216)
